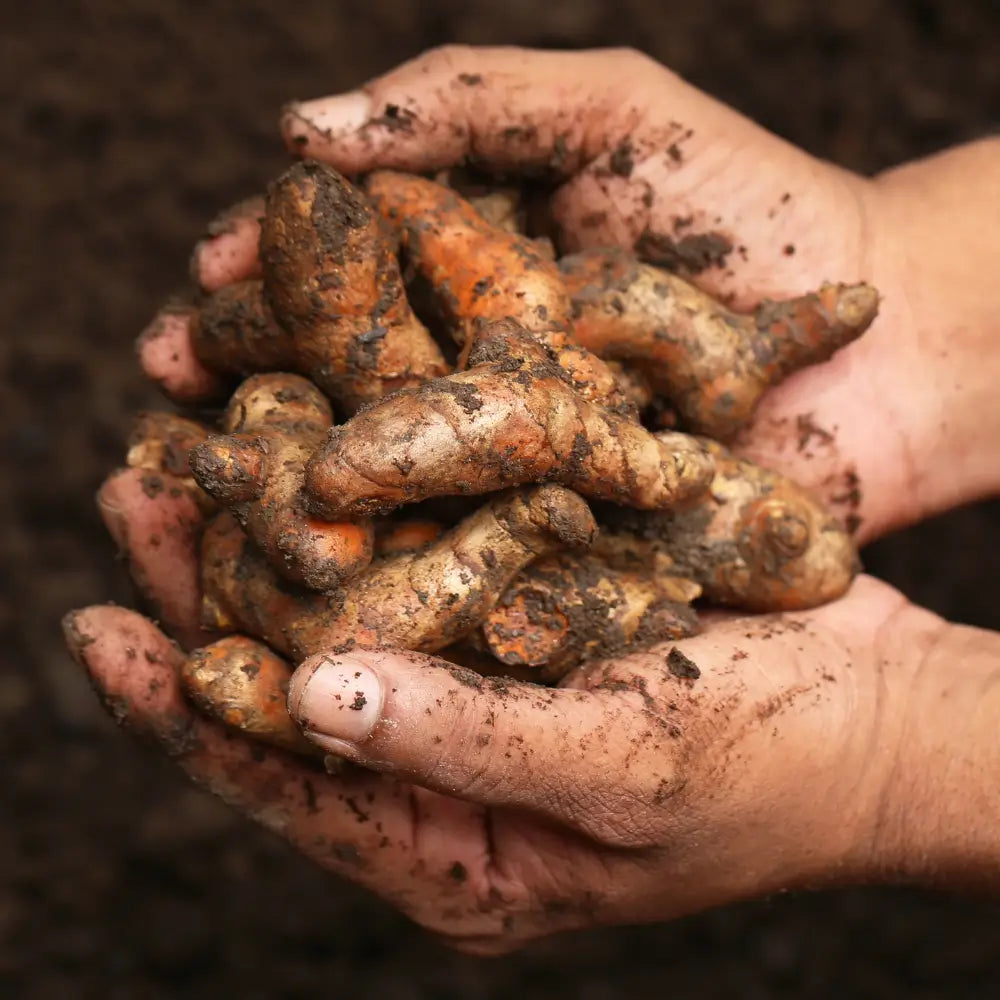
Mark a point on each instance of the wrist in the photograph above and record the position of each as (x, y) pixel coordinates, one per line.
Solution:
(939, 817)
(935, 237)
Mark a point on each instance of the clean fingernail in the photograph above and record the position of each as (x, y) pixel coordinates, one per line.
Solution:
(340, 698)
(331, 115)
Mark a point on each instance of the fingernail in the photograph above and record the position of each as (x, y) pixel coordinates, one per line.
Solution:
(113, 518)
(76, 639)
(340, 698)
(327, 115)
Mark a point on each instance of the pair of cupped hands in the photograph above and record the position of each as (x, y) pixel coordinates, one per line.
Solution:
(851, 743)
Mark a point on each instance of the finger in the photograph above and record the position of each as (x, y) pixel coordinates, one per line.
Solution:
(135, 668)
(402, 843)
(156, 524)
(167, 357)
(661, 166)
(508, 108)
(492, 741)
(228, 252)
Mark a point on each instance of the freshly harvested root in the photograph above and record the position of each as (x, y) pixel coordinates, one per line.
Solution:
(513, 417)
(244, 685)
(333, 283)
(395, 537)
(755, 540)
(633, 385)
(163, 442)
(423, 601)
(501, 206)
(236, 333)
(712, 364)
(567, 609)
(274, 423)
(481, 273)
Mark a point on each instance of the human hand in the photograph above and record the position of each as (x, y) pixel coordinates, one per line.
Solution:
(899, 425)
(751, 771)
(771, 752)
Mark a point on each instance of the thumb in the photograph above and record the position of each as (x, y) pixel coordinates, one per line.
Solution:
(656, 164)
(560, 753)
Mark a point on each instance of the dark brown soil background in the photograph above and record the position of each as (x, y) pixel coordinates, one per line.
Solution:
(125, 126)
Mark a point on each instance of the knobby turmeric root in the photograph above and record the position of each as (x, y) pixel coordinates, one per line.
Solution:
(480, 273)
(244, 685)
(712, 364)
(162, 442)
(754, 540)
(235, 333)
(424, 600)
(333, 283)
(513, 417)
(566, 610)
(274, 423)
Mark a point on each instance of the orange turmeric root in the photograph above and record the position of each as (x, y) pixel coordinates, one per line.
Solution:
(244, 685)
(566, 610)
(423, 601)
(755, 540)
(712, 364)
(395, 537)
(513, 417)
(236, 333)
(481, 273)
(274, 423)
(163, 442)
(333, 283)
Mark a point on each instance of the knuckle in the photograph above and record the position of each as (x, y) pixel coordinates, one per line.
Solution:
(466, 754)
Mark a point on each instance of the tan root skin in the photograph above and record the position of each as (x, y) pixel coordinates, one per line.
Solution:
(244, 685)
(511, 418)
(713, 365)
(755, 540)
(275, 422)
(424, 601)
(235, 332)
(332, 281)
(162, 442)
(568, 609)
(481, 273)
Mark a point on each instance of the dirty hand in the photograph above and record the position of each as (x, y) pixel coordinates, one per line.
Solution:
(901, 424)
(771, 752)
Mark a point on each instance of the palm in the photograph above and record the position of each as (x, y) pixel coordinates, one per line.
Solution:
(663, 760)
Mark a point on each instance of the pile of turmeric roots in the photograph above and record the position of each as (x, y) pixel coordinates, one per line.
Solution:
(442, 436)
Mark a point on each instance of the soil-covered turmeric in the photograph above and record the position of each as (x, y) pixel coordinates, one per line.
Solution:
(423, 600)
(244, 685)
(713, 365)
(754, 540)
(568, 609)
(333, 283)
(274, 423)
(512, 418)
